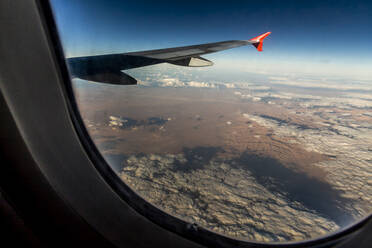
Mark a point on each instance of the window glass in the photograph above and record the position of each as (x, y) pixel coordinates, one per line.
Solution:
(267, 146)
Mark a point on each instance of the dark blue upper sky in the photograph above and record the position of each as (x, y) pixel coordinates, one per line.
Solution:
(320, 33)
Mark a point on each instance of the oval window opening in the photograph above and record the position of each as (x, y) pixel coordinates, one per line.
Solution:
(268, 141)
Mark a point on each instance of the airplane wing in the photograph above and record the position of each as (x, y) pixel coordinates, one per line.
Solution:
(108, 68)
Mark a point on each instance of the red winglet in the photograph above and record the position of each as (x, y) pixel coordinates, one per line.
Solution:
(259, 40)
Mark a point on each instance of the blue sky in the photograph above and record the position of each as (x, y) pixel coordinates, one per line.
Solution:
(314, 36)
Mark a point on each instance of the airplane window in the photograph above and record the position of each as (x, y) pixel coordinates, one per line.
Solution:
(208, 116)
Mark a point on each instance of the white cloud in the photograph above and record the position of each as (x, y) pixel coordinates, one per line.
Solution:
(171, 82)
(201, 84)
(321, 83)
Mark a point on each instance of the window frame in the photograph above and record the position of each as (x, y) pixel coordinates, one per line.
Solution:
(126, 218)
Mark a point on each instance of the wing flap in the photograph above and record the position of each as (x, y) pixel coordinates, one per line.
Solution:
(192, 62)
